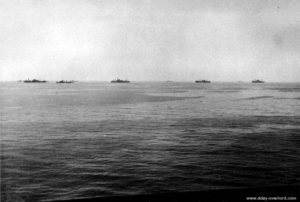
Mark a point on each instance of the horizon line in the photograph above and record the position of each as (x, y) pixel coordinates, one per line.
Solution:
(182, 81)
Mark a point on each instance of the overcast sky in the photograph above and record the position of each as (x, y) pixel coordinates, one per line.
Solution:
(150, 40)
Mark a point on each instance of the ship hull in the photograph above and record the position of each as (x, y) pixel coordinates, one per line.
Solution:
(120, 81)
(202, 82)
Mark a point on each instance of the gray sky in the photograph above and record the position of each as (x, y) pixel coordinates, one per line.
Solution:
(151, 40)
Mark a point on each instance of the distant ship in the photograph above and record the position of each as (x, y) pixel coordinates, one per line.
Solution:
(202, 81)
(120, 81)
(62, 81)
(257, 81)
(34, 81)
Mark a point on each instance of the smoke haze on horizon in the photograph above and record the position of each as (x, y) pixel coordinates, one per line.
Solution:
(150, 40)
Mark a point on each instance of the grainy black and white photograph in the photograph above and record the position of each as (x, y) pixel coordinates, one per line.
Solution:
(149, 100)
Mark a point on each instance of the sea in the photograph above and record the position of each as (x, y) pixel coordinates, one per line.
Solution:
(98, 139)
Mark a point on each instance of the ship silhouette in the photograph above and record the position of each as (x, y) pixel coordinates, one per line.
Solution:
(202, 81)
(62, 81)
(120, 81)
(257, 81)
(34, 81)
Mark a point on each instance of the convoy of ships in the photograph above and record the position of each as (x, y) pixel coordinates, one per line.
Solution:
(44, 81)
(115, 81)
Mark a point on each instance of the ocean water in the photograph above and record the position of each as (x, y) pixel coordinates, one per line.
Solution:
(68, 141)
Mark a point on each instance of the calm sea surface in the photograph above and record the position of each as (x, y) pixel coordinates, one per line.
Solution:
(66, 141)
